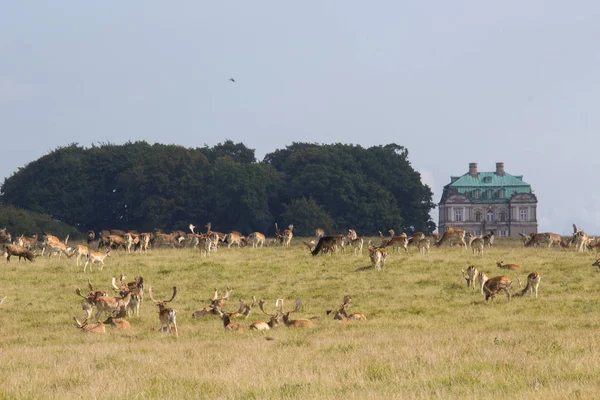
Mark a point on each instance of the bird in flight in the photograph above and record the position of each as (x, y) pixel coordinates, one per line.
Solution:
(232, 80)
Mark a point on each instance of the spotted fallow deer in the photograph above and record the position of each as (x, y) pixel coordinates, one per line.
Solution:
(273, 321)
(497, 284)
(482, 278)
(477, 245)
(395, 242)
(415, 238)
(96, 257)
(342, 313)
(229, 325)
(234, 237)
(511, 267)
(488, 240)
(377, 256)
(216, 304)
(580, 238)
(424, 245)
(296, 323)
(19, 251)
(453, 234)
(97, 327)
(256, 239)
(136, 287)
(166, 315)
(355, 241)
(533, 282)
(288, 234)
(132, 240)
(470, 276)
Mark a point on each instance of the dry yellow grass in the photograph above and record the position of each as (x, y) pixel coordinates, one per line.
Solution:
(426, 335)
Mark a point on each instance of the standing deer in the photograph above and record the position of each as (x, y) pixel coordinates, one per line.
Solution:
(256, 239)
(495, 285)
(166, 315)
(378, 256)
(482, 278)
(580, 238)
(395, 242)
(424, 245)
(288, 234)
(533, 282)
(470, 276)
(355, 241)
(96, 257)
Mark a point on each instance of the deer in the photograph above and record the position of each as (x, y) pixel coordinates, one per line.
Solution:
(234, 238)
(131, 240)
(319, 233)
(482, 278)
(495, 285)
(79, 252)
(216, 304)
(378, 256)
(415, 238)
(117, 320)
(256, 239)
(19, 251)
(166, 314)
(470, 276)
(96, 257)
(274, 318)
(477, 245)
(229, 325)
(97, 327)
(453, 234)
(488, 240)
(54, 245)
(137, 293)
(5, 236)
(216, 237)
(533, 282)
(580, 238)
(395, 241)
(296, 323)
(355, 241)
(30, 243)
(424, 245)
(109, 303)
(144, 241)
(342, 313)
(511, 267)
(90, 299)
(327, 244)
(288, 234)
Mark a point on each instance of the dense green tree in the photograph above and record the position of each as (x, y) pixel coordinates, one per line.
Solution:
(141, 186)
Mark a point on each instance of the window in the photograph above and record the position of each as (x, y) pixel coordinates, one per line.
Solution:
(477, 216)
(458, 215)
(490, 193)
(501, 193)
(476, 193)
(503, 233)
(490, 216)
(477, 233)
(523, 214)
(502, 217)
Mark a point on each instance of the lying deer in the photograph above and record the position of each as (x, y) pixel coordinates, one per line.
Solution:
(511, 267)
(216, 304)
(296, 323)
(273, 321)
(97, 327)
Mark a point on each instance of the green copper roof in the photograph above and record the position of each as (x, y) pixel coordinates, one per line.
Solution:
(485, 181)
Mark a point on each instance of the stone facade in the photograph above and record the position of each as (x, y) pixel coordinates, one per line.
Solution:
(484, 202)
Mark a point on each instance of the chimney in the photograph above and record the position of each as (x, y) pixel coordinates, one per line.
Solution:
(500, 168)
(473, 169)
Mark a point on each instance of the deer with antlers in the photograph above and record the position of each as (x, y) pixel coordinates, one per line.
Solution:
(110, 304)
(355, 241)
(97, 327)
(296, 323)
(395, 242)
(533, 282)
(342, 313)
(470, 276)
(274, 318)
(216, 304)
(453, 234)
(166, 315)
(580, 238)
(90, 299)
(497, 284)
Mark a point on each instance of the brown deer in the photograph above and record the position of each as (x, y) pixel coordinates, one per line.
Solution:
(580, 238)
(488, 240)
(424, 245)
(533, 282)
(230, 325)
(273, 321)
(342, 313)
(79, 252)
(453, 234)
(355, 241)
(96, 257)
(288, 234)
(256, 239)
(234, 237)
(511, 267)
(216, 304)
(97, 327)
(482, 278)
(378, 256)
(415, 238)
(495, 285)
(477, 245)
(296, 323)
(166, 314)
(395, 242)
(19, 251)
(470, 276)
(137, 293)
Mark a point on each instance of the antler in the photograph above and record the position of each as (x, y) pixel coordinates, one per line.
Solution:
(298, 305)
(227, 293)
(150, 292)
(78, 293)
(90, 285)
(192, 227)
(114, 284)
(174, 294)
(278, 306)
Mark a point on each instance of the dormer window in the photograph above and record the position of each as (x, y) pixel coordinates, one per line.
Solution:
(501, 193)
(476, 194)
(490, 193)
(487, 179)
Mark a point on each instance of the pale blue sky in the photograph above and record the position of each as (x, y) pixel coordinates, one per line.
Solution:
(454, 82)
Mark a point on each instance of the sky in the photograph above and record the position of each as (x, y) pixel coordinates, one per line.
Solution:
(454, 82)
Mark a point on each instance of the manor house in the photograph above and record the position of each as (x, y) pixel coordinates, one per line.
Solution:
(484, 202)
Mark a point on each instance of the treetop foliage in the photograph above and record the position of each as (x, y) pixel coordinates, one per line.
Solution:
(141, 186)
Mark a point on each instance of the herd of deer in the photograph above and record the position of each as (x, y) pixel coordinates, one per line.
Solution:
(130, 297)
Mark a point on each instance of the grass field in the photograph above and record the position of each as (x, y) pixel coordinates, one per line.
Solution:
(427, 335)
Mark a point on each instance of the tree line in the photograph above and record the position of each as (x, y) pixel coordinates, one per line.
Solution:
(141, 186)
